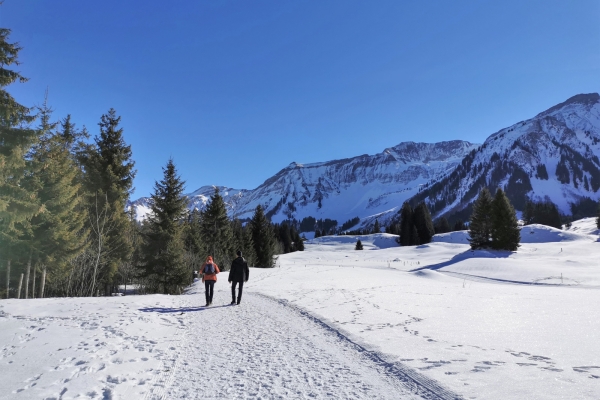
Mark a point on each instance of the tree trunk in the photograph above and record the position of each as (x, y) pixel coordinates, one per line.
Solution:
(8, 280)
(33, 287)
(20, 284)
(27, 277)
(43, 283)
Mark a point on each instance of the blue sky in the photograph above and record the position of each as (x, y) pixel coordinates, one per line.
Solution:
(236, 90)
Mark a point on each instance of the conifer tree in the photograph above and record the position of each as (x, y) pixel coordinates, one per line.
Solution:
(298, 242)
(285, 236)
(17, 203)
(194, 247)
(414, 236)
(443, 226)
(459, 226)
(480, 223)
(109, 173)
(359, 245)
(248, 245)
(73, 139)
(424, 224)
(57, 233)
(505, 228)
(242, 240)
(376, 227)
(262, 237)
(164, 250)
(406, 225)
(193, 233)
(216, 231)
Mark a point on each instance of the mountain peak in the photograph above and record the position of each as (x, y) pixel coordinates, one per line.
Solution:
(586, 99)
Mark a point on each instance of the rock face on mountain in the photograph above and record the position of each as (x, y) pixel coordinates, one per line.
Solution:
(550, 157)
(364, 186)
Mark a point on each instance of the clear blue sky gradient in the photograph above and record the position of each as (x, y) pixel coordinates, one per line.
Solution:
(236, 90)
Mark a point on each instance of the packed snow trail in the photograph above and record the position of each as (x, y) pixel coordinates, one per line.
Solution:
(265, 349)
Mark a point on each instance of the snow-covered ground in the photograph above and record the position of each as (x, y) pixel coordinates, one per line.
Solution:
(332, 322)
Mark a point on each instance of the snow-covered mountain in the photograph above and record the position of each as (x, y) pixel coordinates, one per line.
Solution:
(198, 199)
(552, 156)
(365, 186)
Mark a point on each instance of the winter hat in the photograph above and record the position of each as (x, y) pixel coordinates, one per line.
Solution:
(239, 253)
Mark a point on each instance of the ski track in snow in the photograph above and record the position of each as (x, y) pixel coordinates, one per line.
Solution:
(266, 349)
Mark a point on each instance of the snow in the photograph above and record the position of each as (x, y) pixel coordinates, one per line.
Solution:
(348, 242)
(386, 322)
(586, 226)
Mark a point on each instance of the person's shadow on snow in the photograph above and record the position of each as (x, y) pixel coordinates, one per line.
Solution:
(164, 310)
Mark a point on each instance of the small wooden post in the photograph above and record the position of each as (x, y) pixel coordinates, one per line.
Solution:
(43, 283)
(20, 284)
(8, 279)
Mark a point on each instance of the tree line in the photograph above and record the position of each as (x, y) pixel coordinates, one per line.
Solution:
(64, 225)
(492, 224)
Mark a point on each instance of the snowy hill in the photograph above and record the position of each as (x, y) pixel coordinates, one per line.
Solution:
(552, 156)
(437, 321)
(364, 186)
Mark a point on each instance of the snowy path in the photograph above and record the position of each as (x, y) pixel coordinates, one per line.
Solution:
(265, 349)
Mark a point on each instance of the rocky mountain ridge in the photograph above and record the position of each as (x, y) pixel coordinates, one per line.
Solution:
(550, 157)
(365, 186)
(553, 156)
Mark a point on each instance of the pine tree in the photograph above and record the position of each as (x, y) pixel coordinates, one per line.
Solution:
(359, 245)
(242, 240)
(109, 173)
(406, 225)
(164, 249)
(443, 226)
(298, 242)
(262, 236)
(505, 228)
(248, 246)
(285, 237)
(216, 231)
(57, 233)
(414, 236)
(17, 203)
(459, 226)
(376, 227)
(193, 234)
(424, 224)
(480, 223)
(73, 139)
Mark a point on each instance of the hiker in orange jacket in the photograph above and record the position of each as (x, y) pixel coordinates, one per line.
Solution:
(209, 273)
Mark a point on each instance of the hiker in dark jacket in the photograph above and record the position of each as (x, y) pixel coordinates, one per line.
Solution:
(238, 273)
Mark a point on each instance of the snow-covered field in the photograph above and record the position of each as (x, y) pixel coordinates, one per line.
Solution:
(433, 321)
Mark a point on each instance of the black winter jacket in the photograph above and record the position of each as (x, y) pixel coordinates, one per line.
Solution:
(239, 271)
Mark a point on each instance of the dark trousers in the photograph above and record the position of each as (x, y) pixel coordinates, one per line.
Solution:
(239, 298)
(210, 289)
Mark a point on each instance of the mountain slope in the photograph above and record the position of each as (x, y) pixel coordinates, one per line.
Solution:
(550, 157)
(364, 186)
